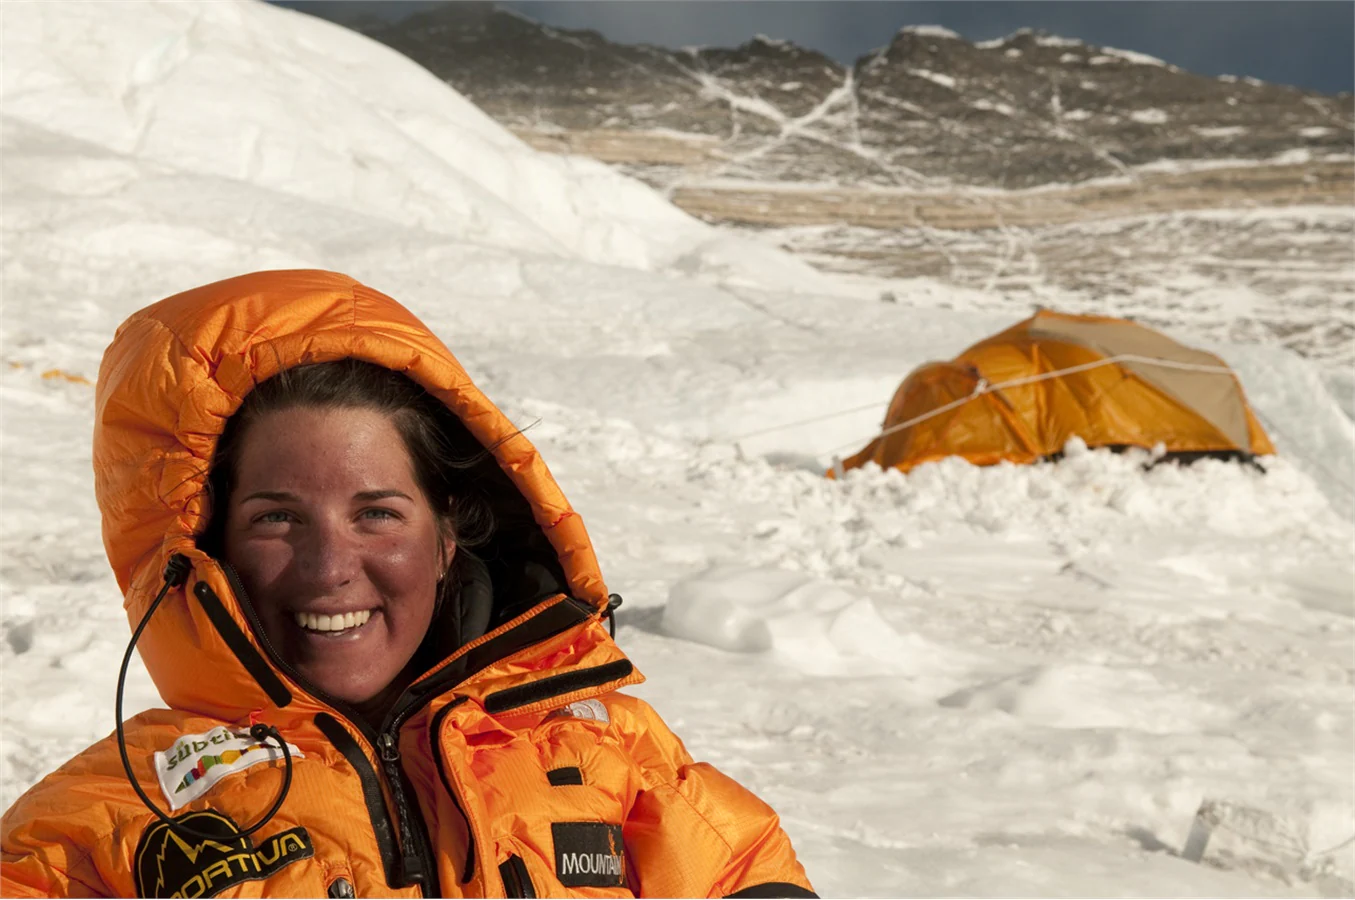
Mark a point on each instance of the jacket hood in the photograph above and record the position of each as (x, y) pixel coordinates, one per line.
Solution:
(175, 373)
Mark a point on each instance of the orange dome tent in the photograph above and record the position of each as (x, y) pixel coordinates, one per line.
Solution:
(1021, 394)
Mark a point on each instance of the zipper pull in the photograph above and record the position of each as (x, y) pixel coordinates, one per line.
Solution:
(390, 750)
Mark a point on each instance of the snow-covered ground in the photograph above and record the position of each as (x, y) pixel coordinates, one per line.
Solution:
(1008, 681)
(1265, 275)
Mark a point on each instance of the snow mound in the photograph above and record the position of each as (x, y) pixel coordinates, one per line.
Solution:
(320, 113)
(1088, 493)
(1088, 696)
(1091, 487)
(818, 627)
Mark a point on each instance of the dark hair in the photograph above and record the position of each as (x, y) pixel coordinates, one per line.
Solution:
(444, 453)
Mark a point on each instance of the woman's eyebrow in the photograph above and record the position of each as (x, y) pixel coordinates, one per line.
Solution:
(279, 496)
(381, 495)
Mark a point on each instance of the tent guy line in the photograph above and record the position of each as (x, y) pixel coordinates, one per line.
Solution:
(983, 387)
(810, 421)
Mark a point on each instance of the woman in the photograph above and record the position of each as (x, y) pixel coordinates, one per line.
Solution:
(379, 628)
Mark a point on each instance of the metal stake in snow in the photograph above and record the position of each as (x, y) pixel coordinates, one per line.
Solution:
(1265, 831)
(1206, 817)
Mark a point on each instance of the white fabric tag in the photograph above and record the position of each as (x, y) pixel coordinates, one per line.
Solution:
(197, 761)
(585, 709)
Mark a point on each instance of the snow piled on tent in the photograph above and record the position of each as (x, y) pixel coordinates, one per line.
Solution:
(1002, 681)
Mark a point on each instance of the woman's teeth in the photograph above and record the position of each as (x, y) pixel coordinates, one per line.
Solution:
(338, 622)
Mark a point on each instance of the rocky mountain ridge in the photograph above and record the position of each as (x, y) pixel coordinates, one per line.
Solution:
(928, 110)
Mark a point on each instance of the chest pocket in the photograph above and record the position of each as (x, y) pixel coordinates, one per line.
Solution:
(557, 789)
(586, 775)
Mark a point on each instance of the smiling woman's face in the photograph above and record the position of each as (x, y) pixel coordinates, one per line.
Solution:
(337, 547)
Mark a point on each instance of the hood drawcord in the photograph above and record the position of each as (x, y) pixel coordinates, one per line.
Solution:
(176, 573)
(613, 602)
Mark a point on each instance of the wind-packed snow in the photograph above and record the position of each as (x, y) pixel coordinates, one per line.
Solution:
(945, 81)
(1149, 116)
(1002, 108)
(995, 43)
(935, 31)
(1006, 681)
(1140, 59)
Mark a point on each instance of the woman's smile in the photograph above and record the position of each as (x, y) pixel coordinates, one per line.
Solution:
(336, 625)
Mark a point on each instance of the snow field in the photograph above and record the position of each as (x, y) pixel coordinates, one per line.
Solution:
(1004, 681)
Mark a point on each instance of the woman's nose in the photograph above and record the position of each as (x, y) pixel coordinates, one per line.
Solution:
(329, 557)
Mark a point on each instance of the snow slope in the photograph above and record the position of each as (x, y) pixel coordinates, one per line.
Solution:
(316, 112)
(1008, 681)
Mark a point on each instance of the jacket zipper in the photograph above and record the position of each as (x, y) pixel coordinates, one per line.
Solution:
(517, 881)
(416, 858)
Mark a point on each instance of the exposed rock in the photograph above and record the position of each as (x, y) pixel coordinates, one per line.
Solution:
(927, 109)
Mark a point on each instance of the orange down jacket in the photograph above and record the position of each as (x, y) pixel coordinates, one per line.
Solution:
(514, 767)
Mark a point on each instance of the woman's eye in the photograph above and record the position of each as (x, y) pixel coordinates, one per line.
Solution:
(378, 514)
(275, 517)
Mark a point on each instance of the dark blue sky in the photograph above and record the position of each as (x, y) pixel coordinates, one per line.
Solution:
(1307, 43)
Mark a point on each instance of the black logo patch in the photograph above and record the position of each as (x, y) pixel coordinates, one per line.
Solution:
(589, 854)
(169, 864)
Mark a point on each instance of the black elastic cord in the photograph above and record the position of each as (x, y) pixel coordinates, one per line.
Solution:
(613, 601)
(176, 572)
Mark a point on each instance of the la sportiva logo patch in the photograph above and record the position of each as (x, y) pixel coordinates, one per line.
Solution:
(169, 864)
